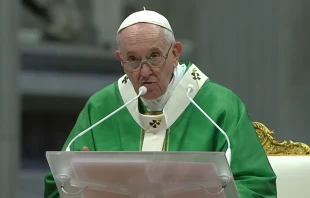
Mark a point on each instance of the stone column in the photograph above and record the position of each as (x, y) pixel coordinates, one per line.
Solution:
(9, 98)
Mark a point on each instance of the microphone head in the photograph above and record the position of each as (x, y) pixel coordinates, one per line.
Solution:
(190, 88)
(142, 90)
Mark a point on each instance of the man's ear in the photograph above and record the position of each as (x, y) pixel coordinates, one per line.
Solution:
(177, 49)
(118, 55)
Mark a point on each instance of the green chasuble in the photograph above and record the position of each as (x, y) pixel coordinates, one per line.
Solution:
(179, 127)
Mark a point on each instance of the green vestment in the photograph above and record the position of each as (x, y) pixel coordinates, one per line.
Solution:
(182, 128)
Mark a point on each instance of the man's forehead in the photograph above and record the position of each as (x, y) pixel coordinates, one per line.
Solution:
(142, 28)
(145, 48)
(142, 48)
(142, 35)
(141, 32)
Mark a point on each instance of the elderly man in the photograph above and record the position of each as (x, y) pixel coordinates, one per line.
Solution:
(149, 54)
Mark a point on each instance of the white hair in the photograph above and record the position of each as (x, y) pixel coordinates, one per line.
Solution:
(167, 33)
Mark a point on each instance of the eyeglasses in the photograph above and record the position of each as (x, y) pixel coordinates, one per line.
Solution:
(152, 61)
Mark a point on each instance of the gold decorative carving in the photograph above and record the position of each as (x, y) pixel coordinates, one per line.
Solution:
(274, 147)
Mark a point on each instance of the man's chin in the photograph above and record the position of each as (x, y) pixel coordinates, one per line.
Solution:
(152, 92)
(150, 96)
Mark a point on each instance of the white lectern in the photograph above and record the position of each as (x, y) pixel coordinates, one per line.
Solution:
(142, 174)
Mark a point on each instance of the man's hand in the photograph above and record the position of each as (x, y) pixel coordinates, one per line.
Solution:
(85, 148)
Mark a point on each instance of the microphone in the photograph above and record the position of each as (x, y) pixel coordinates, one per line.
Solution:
(190, 88)
(142, 91)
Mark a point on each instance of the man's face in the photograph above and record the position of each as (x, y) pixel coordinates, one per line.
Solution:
(143, 41)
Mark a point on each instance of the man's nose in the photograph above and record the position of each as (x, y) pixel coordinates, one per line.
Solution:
(145, 70)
